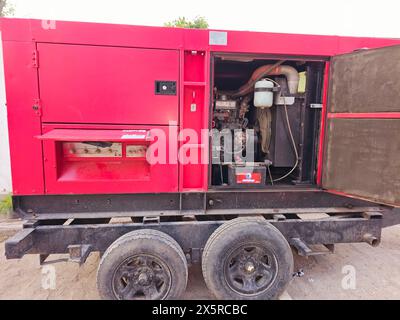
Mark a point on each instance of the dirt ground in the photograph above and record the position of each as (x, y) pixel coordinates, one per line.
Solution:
(376, 271)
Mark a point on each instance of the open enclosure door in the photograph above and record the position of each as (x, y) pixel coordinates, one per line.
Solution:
(362, 145)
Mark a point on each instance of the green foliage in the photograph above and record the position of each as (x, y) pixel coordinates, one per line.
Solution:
(6, 9)
(6, 205)
(182, 22)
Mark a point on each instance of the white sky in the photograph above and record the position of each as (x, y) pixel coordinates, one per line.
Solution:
(376, 18)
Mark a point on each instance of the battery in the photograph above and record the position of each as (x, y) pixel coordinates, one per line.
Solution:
(246, 176)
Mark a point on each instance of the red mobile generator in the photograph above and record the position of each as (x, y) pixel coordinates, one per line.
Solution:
(159, 147)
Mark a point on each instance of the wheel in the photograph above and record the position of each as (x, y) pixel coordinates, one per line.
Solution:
(247, 258)
(143, 264)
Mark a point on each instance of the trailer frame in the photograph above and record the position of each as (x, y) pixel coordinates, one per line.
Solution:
(80, 224)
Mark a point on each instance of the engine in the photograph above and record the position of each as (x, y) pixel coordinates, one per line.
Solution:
(245, 122)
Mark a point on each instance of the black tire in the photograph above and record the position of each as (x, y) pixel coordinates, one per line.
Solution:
(247, 258)
(143, 264)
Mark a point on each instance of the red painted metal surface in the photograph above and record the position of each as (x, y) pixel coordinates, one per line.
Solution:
(322, 124)
(23, 119)
(189, 39)
(90, 84)
(194, 118)
(101, 77)
(67, 174)
(96, 135)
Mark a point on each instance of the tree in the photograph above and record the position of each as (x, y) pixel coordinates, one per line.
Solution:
(6, 9)
(182, 22)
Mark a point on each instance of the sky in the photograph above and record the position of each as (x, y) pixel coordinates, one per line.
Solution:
(341, 17)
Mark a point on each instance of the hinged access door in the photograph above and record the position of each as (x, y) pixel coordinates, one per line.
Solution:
(108, 85)
(362, 146)
(105, 159)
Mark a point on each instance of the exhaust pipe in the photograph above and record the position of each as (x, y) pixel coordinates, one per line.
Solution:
(371, 240)
(277, 69)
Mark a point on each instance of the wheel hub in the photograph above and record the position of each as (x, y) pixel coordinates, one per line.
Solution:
(250, 269)
(142, 277)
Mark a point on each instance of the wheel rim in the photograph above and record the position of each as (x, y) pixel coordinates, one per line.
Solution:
(250, 269)
(142, 277)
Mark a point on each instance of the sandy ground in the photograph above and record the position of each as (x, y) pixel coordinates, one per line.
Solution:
(376, 270)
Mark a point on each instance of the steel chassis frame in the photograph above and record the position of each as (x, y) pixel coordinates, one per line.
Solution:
(80, 224)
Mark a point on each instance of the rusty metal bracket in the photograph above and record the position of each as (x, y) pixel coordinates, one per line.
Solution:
(304, 250)
(151, 220)
(79, 252)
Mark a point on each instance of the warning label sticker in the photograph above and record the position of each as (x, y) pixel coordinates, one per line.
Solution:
(254, 177)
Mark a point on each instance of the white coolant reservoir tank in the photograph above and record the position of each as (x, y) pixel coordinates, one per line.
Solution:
(263, 94)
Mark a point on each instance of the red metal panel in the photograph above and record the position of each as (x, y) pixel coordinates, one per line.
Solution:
(96, 135)
(278, 43)
(52, 31)
(192, 173)
(349, 44)
(297, 44)
(187, 39)
(194, 118)
(93, 73)
(16, 29)
(93, 84)
(23, 119)
(84, 175)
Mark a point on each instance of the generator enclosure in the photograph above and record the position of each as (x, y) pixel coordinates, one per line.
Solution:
(88, 104)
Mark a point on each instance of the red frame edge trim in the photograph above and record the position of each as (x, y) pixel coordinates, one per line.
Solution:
(360, 115)
(322, 124)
